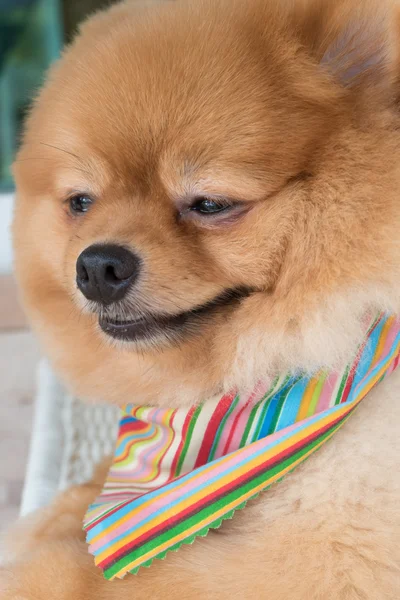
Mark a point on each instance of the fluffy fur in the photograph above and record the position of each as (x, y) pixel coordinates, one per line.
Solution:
(290, 109)
(330, 530)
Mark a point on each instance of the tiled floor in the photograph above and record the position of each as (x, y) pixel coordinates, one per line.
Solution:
(18, 359)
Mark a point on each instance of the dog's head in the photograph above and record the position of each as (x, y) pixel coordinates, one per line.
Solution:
(207, 192)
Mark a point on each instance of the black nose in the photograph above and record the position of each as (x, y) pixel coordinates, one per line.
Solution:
(104, 272)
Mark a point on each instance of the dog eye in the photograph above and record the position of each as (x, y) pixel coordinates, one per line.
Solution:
(208, 206)
(80, 204)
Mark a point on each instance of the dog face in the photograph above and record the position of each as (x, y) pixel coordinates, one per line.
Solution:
(202, 186)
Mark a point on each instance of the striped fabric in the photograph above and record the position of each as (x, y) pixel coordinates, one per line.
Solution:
(179, 472)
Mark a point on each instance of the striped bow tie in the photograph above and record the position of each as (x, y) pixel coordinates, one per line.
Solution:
(179, 472)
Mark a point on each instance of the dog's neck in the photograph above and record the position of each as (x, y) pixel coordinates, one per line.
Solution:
(179, 472)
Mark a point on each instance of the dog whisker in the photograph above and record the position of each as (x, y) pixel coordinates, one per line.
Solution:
(68, 153)
(41, 158)
(61, 150)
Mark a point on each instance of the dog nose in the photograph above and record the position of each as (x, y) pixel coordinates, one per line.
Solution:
(104, 272)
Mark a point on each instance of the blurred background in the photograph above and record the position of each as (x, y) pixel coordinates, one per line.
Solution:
(32, 34)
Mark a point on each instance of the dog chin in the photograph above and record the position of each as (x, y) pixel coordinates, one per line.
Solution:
(147, 335)
(148, 331)
(152, 343)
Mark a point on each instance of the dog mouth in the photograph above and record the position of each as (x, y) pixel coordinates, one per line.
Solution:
(172, 327)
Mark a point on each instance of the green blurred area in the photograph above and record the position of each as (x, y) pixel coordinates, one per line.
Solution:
(32, 34)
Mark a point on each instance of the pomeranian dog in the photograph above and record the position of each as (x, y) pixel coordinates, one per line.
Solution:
(208, 195)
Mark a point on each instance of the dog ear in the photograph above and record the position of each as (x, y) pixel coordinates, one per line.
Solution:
(355, 40)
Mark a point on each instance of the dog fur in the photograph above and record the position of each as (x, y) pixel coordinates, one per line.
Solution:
(291, 110)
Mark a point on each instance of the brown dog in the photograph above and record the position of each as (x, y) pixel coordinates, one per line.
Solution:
(207, 195)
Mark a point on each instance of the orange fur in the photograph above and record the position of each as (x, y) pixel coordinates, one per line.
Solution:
(291, 108)
(329, 530)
